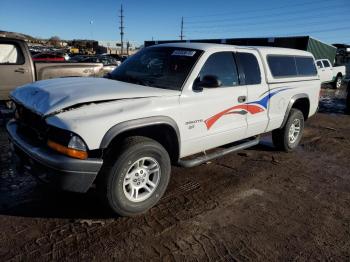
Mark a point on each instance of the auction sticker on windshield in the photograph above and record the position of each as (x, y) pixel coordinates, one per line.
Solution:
(183, 53)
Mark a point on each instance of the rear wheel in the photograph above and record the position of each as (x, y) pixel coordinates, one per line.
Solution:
(288, 137)
(136, 177)
(338, 82)
(348, 98)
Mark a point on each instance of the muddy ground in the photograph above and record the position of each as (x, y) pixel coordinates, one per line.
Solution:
(257, 205)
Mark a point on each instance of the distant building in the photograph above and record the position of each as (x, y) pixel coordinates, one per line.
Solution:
(84, 46)
(318, 48)
(114, 47)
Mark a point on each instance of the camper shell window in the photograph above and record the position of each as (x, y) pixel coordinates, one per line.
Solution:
(291, 66)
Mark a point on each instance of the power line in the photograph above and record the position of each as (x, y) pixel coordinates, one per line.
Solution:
(233, 12)
(302, 33)
(279, 14)
(268, 21)
(263, 24)
(301, 17)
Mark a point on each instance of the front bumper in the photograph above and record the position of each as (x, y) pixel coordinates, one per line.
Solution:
(64, 172)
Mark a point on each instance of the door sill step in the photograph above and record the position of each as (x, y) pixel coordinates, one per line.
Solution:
(205, 158)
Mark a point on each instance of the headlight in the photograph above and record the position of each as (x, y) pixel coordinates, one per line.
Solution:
(11, 105)
(67, 143)
(77, 143)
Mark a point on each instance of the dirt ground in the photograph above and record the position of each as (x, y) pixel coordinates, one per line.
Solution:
(256, 205)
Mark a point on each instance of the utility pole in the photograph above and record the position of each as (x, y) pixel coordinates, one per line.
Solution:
(182, 29)
(121, 27)
(127, 48)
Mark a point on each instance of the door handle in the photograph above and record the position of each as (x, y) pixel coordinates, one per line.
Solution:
(242, 99)
(21, 70)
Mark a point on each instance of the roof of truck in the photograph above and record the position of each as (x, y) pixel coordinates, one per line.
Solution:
(264, 50)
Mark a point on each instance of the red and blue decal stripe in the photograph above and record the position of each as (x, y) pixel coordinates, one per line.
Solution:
(251, 107)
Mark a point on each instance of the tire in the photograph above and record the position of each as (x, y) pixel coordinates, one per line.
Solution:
(124, 173)
(281, 137)
(337, 82)
(348, 99)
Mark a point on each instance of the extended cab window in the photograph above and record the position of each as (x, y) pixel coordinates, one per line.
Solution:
(10, 54)
(250, 68)
(326, 64)
(319, 64)
(223, 66)
(162, 67)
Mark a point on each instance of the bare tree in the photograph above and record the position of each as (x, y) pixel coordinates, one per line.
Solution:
(55, 41)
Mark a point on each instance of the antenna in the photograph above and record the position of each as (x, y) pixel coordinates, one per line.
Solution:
(182, 29)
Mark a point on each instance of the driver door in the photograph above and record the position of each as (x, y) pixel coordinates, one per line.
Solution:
(327, 71)
(215, 116)
(321, 71)
(15, 68)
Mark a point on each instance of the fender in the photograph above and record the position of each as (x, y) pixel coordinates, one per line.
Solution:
(137, 123)
(290, 105)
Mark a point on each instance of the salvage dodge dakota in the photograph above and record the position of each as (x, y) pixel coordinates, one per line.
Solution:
(167, 104)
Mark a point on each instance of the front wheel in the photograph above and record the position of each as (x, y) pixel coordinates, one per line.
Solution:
(288, 137)
(135, 177)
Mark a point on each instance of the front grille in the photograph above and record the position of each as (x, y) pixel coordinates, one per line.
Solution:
(31, 126)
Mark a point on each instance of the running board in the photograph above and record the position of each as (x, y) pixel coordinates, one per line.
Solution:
(203, 159)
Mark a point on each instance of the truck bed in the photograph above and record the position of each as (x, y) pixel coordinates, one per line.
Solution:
(48, 70)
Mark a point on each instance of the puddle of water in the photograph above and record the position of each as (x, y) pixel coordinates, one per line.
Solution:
(333, 100)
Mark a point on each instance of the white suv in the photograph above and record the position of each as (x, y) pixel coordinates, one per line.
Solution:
(160, 107)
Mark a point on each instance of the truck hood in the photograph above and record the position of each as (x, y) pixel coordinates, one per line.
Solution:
(52, 96)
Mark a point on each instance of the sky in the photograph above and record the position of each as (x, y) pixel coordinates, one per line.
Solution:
(326, 20)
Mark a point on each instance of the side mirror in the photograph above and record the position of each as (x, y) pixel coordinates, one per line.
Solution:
(208, 81)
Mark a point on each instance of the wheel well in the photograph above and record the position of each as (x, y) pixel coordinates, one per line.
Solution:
(303, 104)
(339, 75)
(162, 133)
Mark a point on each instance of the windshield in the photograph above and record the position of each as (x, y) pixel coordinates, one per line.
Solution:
(163, 67)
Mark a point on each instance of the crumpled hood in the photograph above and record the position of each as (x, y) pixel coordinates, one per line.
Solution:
(50, 96)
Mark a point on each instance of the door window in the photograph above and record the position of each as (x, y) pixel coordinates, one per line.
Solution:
(223, 66)
(250, 68)
(319, 64)
(326, 63)
(10, 54)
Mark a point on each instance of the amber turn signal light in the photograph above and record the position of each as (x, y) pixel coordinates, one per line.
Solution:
(67, 151)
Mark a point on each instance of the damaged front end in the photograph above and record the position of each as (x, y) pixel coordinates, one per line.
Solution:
(50, 153)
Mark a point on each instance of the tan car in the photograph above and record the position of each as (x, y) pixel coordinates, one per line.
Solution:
(17, 67)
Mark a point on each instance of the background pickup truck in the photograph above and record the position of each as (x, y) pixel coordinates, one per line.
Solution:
(329, 73)
(17, 67)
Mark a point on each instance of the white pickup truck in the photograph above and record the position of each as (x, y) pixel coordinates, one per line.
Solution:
(330, 74)
(167, 104)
